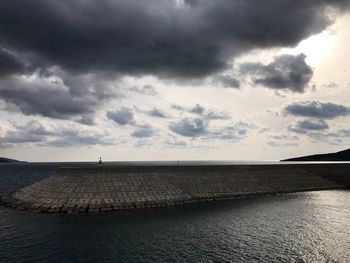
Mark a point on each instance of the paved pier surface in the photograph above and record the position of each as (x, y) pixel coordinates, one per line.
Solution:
(92, 190)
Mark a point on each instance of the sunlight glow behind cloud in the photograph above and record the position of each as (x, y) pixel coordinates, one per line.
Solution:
(315, 47)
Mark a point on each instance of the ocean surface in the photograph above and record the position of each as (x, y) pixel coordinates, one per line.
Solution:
(301, 227)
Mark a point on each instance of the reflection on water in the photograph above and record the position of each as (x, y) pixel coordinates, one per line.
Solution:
(302, 227)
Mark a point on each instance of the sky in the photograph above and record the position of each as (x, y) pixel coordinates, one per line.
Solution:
(173, 79)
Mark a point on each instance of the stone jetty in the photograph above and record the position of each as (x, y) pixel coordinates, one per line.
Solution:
(93, 190)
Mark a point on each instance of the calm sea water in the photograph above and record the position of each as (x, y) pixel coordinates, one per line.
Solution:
(302, 227)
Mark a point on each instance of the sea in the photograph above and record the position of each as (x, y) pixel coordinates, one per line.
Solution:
(299, 227)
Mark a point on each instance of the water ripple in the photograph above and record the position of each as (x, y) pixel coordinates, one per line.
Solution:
(302, 227)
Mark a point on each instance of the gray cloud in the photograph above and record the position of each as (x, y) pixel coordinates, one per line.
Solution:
(144, 143)
(87, 120)
(35, 132)
(158, 113)
(285, 72)
(227, 81)
(30, 133)
(189, 127)
(276, 144)
(316, 109)
(159, 37)
(264, 130)
(123, 116)
(207, 114)
(331, 85)
(197, 109)
(340, 133)
(213, 114)
(284, 137)
(197, 127)
(308, 125)
(56, 94)
(180, 108)
(147, 90)
(175, 144)
(313, 125)
(232, 133)
(70, 138)
(336, 137)
(45, 98)
(283, 140)
(143, 133)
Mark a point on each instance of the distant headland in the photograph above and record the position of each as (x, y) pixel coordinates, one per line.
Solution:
(338, 156)
(8, 160)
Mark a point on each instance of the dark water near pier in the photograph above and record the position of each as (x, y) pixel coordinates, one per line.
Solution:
(302, 227)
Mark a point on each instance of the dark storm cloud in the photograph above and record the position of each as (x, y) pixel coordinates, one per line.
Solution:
(285, 72)
(189, 127)
(9, 64)
(158, 37)
(56, 94)
(123, 116)
(45, 98)
(317, 109)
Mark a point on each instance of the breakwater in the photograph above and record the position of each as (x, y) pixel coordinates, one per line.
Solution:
(82, 190)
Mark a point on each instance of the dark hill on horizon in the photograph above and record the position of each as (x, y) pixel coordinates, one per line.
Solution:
(338, 156)
(8, 160)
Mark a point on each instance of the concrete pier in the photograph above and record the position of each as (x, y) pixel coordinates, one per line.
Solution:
(94, 190)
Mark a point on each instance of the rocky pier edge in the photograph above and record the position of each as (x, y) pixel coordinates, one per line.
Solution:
(82, 190)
